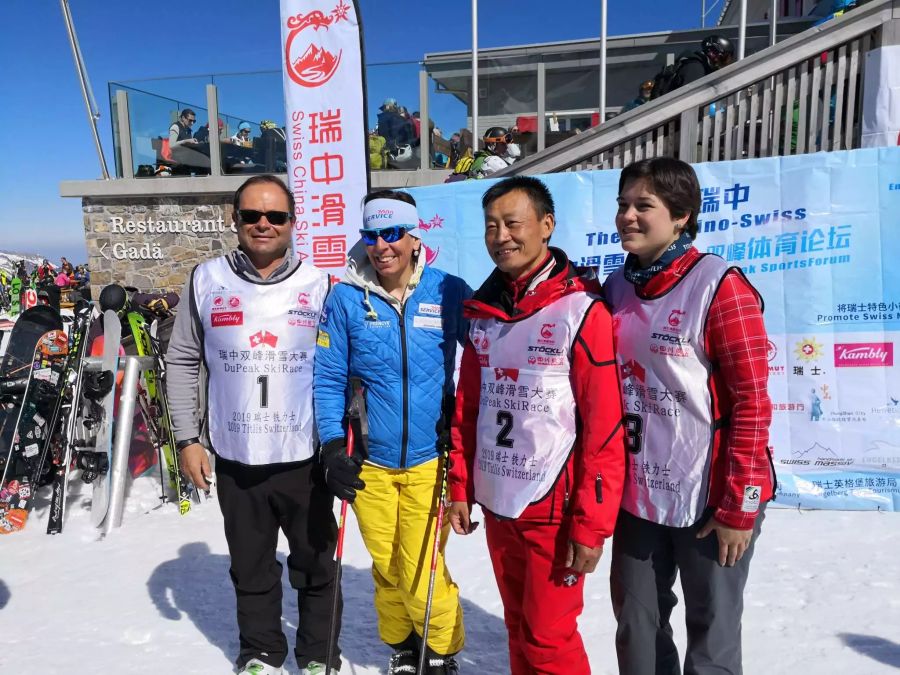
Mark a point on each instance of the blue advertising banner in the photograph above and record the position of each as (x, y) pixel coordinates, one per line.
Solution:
(817, 235)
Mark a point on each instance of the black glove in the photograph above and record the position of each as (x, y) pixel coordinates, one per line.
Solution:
(341, 470)
(442, 427)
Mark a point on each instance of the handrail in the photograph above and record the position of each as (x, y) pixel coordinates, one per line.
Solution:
(714, 87)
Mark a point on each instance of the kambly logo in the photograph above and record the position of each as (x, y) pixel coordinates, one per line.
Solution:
(227, 319)
(864, 354)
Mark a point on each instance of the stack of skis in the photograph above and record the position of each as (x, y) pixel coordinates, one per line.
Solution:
(57, 414)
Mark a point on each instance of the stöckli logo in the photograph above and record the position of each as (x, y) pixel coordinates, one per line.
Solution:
(308, 63)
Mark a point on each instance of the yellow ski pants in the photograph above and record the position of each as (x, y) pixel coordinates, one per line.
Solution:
(397, 514)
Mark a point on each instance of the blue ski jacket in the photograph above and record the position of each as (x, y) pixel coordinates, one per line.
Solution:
(404, 354)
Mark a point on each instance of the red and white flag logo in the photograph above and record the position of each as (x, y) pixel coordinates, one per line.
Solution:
(506, 374)
(263, 337)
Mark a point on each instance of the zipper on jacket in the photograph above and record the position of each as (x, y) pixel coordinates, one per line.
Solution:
(404, 441)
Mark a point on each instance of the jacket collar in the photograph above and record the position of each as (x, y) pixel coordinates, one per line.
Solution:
(241, 263)
(495, 297)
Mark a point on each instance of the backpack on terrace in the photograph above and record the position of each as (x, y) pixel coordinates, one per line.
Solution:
(467, 167)
(671, 77)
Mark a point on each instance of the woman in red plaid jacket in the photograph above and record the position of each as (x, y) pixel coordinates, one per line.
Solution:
(692, 349)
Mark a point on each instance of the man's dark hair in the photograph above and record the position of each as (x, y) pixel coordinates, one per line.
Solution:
(389, 194)
(537, 193)
(186, 112)
(673, 181)
(256, 180)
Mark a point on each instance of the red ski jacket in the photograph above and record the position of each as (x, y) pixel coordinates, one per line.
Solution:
(599, 449)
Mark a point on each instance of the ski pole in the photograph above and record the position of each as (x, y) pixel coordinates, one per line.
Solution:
(435, 549)
(338, 555)
(355, 412)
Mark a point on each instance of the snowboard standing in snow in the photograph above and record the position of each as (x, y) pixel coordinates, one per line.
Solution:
(69, 410)
(15, 363)
(24, 467)
(102, 456)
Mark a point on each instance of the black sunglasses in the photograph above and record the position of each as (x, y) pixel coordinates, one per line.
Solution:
(389, 234)
(251, 217)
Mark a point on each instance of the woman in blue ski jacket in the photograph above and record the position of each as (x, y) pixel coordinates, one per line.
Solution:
(395, 323)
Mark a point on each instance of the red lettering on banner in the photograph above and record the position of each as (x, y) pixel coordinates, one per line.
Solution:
(332, 209)
(329, 250)
(327, 168)
(325, 127)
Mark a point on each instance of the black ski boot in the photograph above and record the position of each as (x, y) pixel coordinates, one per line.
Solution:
(437, 664)
(405, 659)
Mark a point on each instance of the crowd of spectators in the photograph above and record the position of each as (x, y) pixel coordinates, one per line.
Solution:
(55, 285)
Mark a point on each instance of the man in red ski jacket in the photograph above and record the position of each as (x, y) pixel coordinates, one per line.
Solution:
(537, 435)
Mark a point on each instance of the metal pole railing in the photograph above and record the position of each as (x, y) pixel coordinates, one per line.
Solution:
(742, 31)
(773, 22)
(602, 61)
(475, 75)
(93, 112)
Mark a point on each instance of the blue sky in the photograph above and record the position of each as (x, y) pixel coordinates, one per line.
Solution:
(46, 133)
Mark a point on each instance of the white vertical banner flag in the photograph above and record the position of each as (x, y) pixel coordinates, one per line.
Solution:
(324, 95)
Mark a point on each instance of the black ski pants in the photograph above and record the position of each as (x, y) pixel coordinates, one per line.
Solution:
(256, 502)
(646, 558)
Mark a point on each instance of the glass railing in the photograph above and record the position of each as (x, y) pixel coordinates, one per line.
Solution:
(251, 109)
(394, 121)
(165, 142)
(251, 130)
(152, 119)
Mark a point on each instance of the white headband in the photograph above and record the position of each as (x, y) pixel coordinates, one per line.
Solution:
(380, 213)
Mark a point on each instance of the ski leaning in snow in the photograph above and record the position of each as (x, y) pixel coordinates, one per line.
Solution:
(154, 404)
(70, 392)
(112, 339)
(23, 469)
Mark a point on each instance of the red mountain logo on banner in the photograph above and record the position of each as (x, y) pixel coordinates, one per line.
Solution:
(263, 337)
(315, 65)
(506, 374)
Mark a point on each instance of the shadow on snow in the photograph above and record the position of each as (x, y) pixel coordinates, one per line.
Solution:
(197, 584)
(876, 648)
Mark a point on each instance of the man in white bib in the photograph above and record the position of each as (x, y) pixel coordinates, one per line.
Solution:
(251, 319)
(537, 435)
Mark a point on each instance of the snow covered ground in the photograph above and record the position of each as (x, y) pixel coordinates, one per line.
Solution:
(155, 596)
